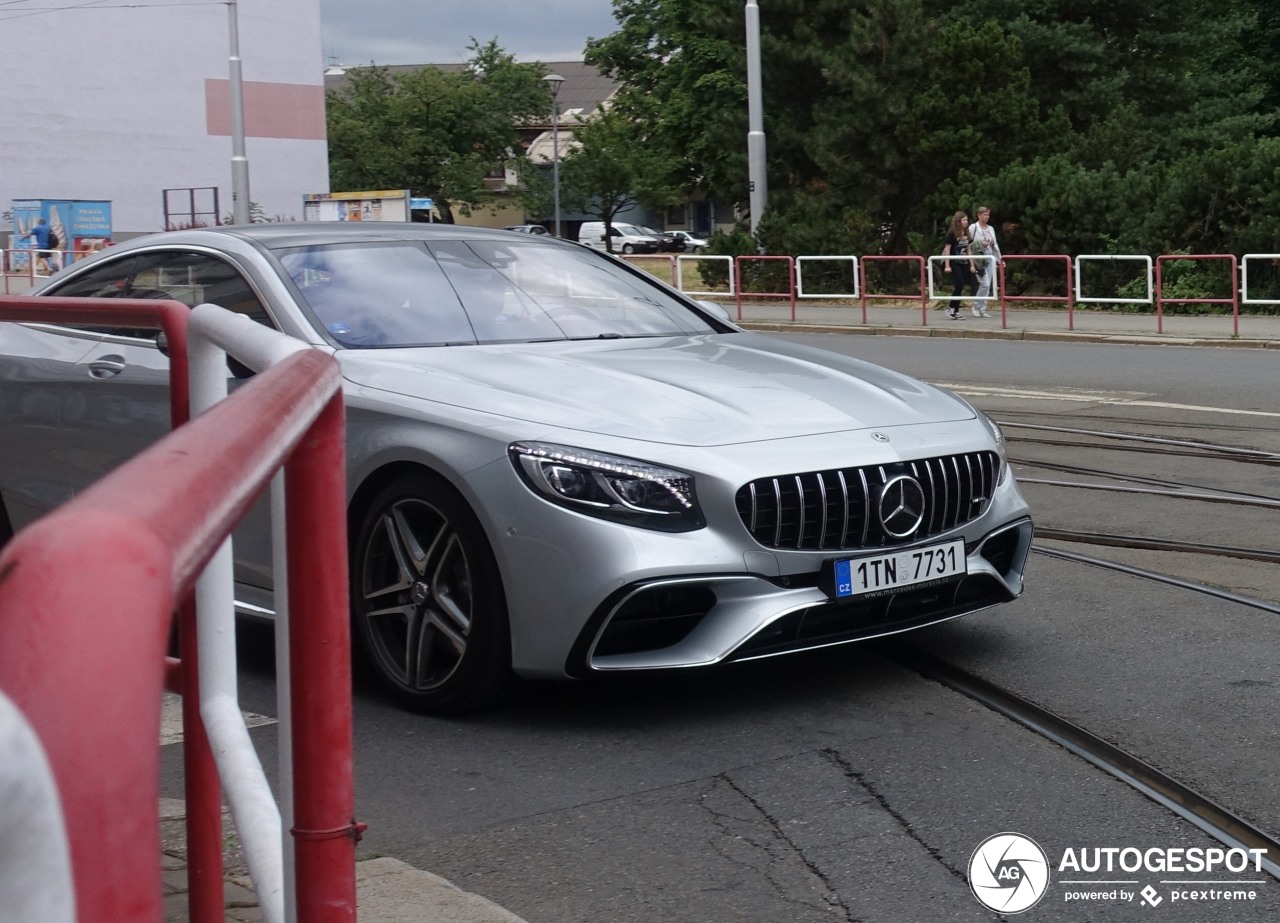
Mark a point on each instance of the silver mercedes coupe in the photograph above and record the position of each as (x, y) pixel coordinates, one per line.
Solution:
(556, 464)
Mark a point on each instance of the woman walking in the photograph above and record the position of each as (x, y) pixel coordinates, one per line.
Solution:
(957, 245)
(984, 244)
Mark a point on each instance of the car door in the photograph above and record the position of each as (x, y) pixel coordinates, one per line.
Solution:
(106, 397)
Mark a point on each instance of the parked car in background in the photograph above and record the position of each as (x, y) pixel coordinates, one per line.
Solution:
(692, 244)
(557, 465)
(627, 238)
(667, 242)
(527, 228)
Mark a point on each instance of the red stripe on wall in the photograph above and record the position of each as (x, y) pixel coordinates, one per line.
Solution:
(271, 110)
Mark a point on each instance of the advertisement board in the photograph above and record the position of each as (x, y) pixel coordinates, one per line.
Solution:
(374, 205)
(83, 225)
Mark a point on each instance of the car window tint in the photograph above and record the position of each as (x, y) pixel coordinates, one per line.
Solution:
(385, 294)
(109, 280)
(191, 278)
(449, 292)
(569, 292)
(196, 278)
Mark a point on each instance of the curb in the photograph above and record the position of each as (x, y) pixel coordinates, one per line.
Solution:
(387, 890)
(1063, 336)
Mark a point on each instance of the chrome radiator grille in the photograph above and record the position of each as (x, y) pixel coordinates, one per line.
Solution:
(839, 508)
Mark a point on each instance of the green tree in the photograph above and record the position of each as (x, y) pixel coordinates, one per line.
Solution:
(438, 133)
(613, 166)
(1082, 123)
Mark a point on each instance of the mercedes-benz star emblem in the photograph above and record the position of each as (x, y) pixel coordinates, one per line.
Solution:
(880, 437)
(901, 506)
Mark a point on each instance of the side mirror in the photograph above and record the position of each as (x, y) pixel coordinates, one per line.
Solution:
(717, 309)
(162, 343)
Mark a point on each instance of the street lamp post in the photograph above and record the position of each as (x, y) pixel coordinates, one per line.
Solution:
(553, 84)
(757, 173)
(239, 162)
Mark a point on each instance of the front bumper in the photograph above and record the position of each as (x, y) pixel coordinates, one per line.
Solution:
(707, 619)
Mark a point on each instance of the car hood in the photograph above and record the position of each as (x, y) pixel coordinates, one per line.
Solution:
(700, 390)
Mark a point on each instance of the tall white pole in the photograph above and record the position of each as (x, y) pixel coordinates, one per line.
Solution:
(239, 162)
(553, 82)
(555, 156)
(756, 175)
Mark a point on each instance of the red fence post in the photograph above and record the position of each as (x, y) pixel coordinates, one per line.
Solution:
(325, 829)
(1234, 300)
(924, 293)
(1069, 297)
(791, 281)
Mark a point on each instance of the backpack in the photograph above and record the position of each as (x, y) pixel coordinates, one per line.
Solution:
(54, 240)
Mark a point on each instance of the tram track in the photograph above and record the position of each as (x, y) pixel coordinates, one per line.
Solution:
(1146, 543)
(1208, 815)
(1218, 822)
(1180, 492)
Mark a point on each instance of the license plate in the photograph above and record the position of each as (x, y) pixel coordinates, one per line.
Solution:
(861, 576)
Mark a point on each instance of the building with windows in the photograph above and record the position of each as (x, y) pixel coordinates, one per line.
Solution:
(120, 103)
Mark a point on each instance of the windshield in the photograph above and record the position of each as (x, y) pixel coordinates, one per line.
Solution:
(458, 292)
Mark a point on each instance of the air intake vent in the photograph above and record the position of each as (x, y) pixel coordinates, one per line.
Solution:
(841, 508)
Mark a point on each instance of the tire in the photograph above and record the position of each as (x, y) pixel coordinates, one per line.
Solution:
(427, 598)
(627, 248)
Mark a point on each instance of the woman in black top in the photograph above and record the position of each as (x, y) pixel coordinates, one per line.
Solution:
(957, 245)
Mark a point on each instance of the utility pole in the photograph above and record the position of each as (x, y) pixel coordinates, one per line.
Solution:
(239, 162)
(756, 175)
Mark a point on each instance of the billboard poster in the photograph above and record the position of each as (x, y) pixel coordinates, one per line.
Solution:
(374, 205)
(82, 226)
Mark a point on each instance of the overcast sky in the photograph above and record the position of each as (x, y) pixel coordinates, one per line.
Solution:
(439, 31)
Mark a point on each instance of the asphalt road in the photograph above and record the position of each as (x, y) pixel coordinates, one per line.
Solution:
(839, 786)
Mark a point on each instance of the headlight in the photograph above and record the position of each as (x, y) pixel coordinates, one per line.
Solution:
(609, 486)
(998, 435)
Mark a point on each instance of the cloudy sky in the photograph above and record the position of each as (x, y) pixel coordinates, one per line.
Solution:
(439, 31)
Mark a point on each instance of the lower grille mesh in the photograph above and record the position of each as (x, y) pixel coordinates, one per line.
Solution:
(839, 508)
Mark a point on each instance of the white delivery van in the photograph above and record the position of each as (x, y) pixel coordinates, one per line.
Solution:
(627, 238)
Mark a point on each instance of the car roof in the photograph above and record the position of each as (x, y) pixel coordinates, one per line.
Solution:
(288, 234)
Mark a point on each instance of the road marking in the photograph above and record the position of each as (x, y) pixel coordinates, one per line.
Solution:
(1079, 395)
(171, 719)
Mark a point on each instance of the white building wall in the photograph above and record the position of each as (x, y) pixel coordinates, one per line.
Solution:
(111, 104)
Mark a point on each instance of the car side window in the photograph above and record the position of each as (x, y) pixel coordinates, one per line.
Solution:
(196, 278)
(189, 277)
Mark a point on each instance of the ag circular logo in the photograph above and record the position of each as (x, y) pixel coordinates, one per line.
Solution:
(1009, 873)
(901, 506)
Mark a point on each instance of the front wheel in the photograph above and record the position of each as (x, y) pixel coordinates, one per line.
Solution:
(427, 599)
(628, 248)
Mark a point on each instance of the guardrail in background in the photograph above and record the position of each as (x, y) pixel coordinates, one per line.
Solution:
(801, 260)
(791, 281)
(1005, 297)
(183, 496)
(1113, 258)
(945, 262)
(683, 260)
(1246, 296)
(1073, 289)
(1233, 300)
(924, 300)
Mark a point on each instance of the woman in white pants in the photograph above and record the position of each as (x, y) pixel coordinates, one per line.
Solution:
(984, 244)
